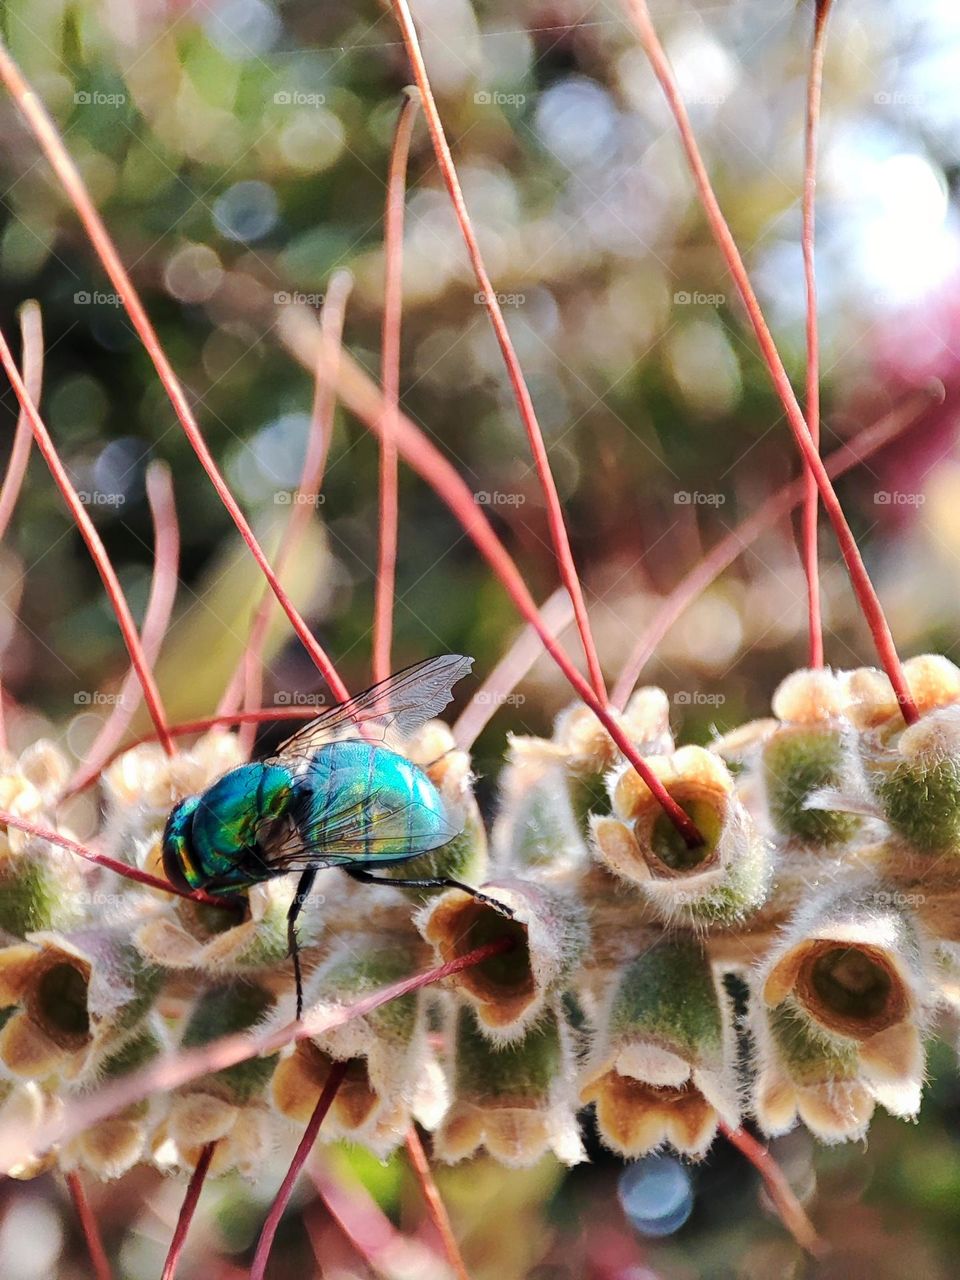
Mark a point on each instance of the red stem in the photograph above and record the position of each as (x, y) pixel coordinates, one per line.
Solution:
(90, 1227)
(558, 530)
(104, 860)
(95, 546)
(187, 1210)
(163, 591)
(176, 1069)
(811, 504)
(337, 1072)
(775, 507)
(860, 579)
(46, 134)
(789, 1208)
(390, 381)
(434, 1203)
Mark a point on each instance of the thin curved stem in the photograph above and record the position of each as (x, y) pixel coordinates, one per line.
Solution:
(859, 578)
(434, 1203)
(163, 591)
(44, 130)
(108, 574)
(790, 1210)
(811, 502)
(187, 1210)
(333, 1082)
(390, 381)
(558, 529)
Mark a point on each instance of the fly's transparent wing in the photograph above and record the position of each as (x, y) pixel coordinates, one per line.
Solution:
(369, 831)
(390, 712)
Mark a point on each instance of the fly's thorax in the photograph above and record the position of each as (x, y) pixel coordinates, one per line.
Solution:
(215, 839)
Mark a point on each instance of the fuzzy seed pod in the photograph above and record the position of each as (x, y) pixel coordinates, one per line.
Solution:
(228, 1107)
(918, 790)
(853, 967)
(119, 1142)
(510, 991)
(513, 1099)
(716, 883)
(661, 1068)
(537, 827)
(386, 1050)
(77, 996)
(810, 751)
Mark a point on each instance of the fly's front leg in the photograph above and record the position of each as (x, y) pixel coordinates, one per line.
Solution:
(430, 882)
(304, 885)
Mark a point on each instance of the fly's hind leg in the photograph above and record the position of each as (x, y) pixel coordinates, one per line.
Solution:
(304, 885)
(430, 882)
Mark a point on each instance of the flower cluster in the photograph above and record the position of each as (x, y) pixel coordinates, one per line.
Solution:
(821, 893)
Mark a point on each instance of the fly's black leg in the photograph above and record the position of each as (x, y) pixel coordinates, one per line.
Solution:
(304, 885)
(430, 882)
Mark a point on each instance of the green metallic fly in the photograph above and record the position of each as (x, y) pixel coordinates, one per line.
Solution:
(336, 794)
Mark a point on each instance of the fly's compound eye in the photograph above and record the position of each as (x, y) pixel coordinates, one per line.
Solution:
(177, 862)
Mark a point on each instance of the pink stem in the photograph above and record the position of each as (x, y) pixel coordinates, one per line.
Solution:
(557, 614)
(90, 1227)
(860, 579)
(187, 1210)
(434, 1203)
(179, 1068)
(250, 670)
(811, 504)
(775, 507)
(333, 1082)
(788, 1207)
(46, 134)
(390, 381)
(558, 530)
(95, 546)
(103, 860)
(31, 333)
(163, 590)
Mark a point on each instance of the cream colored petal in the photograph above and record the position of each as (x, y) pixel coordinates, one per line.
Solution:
(893, 1056)
(648, 1062)
(199, 1118)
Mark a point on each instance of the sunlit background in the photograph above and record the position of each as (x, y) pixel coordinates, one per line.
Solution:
(238, 153)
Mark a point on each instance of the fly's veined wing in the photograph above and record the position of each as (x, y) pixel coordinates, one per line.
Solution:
(388, 713)
(368, 831)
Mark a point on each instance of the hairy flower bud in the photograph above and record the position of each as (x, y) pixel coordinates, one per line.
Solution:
(661, 1066)
(514, 1099)
(509, 991)
(918, 786)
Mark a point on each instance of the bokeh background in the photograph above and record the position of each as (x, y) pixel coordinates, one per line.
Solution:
(237, 150)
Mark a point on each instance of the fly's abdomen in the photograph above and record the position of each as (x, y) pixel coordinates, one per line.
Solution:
(359, 800)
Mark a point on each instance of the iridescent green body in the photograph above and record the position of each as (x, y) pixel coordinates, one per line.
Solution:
(349, 802)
